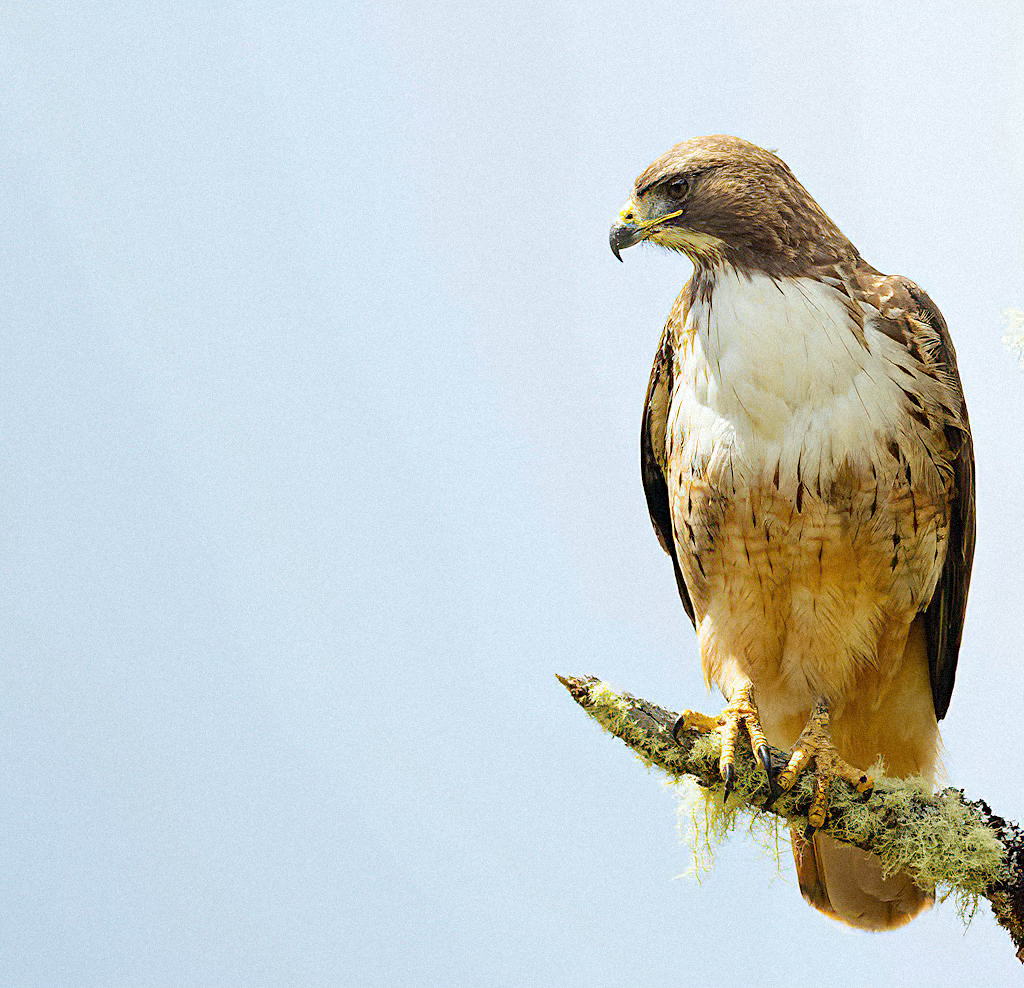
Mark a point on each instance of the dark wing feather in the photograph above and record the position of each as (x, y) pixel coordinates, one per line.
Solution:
(652, 456)
(944, 617)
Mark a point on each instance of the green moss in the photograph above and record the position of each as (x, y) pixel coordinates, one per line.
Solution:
(616, 715)
(939, 840)
(947, 847)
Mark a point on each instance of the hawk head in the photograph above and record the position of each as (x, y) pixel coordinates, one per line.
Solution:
(723, 199)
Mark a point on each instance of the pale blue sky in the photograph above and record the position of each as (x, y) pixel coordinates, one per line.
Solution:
(319, 441)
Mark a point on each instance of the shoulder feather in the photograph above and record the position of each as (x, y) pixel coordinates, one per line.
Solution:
(926, 336)
(652, 450)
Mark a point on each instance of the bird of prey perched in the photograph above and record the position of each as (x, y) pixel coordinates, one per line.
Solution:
(809, 468)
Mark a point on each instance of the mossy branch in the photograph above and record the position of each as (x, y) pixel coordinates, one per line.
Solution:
(942, 840)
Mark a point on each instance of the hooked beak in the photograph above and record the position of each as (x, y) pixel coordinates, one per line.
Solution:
(623, 235)
(626, 230)
(630, 228)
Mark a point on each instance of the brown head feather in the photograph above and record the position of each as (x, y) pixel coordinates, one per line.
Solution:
(747, 202)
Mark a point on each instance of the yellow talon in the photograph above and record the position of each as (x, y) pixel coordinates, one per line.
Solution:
(797, 763)
(694, 721)
(815, 743)
(740, 712)
(819, 808)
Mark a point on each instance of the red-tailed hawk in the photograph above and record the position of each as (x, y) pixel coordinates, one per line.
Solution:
(809, 468)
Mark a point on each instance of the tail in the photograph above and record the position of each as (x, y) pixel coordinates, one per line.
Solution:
(847, 884)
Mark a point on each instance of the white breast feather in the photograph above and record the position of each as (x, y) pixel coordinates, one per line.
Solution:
(772, 373)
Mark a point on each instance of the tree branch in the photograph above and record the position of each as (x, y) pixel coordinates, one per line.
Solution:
(939, 839)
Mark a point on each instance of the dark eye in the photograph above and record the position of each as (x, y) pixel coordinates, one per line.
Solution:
(678, 188)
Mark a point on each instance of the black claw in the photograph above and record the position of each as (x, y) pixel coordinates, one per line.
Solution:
(678, 726)
(774, 789)
(730, 778)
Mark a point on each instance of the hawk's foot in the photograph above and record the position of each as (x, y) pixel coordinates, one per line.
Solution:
(815, 744)
(740, 712)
